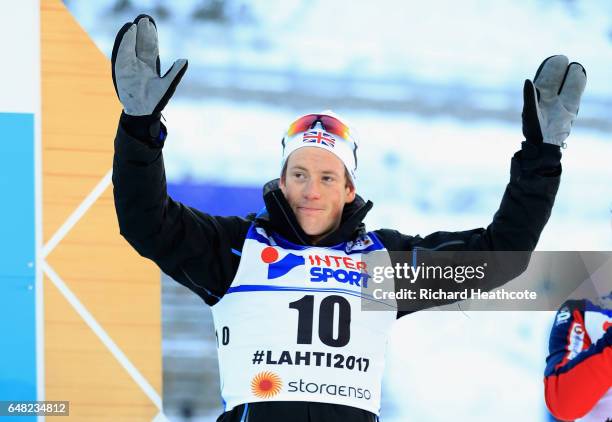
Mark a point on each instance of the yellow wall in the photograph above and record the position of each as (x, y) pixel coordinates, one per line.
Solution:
(119, 289)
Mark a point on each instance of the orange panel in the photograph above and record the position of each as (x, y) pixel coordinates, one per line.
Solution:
(117, 286)
(84, 372)
(79, 114)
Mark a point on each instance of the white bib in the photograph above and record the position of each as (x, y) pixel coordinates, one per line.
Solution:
(291, 326)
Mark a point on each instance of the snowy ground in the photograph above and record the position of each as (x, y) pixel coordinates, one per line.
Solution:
(432, 57)
(475, 42)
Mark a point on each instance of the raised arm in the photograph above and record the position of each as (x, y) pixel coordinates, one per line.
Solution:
(192, 247)
(550, 107)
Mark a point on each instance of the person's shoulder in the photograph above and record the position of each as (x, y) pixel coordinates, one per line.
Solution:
(572, 305)
(566, 311)
(393, 240)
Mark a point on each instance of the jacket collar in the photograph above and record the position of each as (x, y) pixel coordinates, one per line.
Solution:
(279, 217)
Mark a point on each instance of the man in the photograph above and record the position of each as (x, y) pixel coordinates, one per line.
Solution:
(578, 375)
(294, 344)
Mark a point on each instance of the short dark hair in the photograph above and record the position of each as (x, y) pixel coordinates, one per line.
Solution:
(347, 176)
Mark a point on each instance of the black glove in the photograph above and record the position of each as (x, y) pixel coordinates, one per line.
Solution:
(552, 100)
(135, 66)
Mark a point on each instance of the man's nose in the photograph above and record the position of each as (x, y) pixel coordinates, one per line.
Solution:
(312, 190)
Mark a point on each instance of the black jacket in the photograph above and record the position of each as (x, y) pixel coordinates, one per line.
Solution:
(195, 248)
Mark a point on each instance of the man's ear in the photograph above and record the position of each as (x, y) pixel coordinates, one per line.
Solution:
(281, 183)
(350, 194)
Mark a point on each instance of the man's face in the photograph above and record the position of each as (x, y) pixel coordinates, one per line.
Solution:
(316, 188)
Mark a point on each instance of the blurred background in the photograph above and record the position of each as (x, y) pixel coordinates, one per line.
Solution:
(434, 90)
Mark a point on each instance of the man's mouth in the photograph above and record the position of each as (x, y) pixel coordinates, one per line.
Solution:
(309, 210)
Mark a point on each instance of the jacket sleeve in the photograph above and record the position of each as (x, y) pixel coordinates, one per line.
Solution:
(578, 372)
(525, 208)
(190, 246)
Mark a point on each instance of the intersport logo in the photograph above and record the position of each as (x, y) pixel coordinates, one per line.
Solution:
(342, 269)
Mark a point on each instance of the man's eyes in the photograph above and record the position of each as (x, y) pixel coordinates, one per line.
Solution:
(325, 179)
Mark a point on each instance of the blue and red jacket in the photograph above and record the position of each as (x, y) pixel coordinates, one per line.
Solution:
(578, 373)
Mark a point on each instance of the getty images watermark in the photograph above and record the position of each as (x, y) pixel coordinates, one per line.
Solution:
(455, 273)
(414, 280)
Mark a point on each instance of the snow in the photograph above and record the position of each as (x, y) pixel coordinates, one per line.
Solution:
(475, 42)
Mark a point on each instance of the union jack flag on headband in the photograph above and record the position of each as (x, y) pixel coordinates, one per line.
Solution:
(319, 137)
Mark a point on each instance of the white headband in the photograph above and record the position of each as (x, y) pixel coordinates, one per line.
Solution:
(344, 149)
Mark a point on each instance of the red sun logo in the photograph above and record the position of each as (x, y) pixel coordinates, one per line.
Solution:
(269, 255)
(266, 384)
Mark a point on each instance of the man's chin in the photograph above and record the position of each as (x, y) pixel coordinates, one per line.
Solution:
(313, 232)
(311, 225)
(316, 234)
